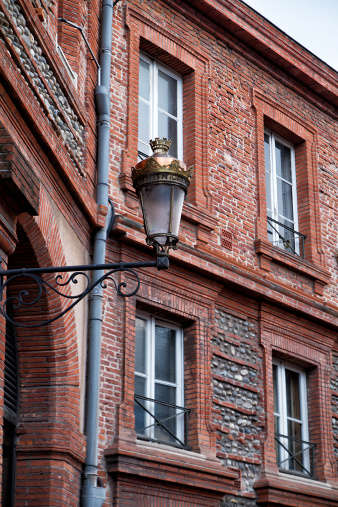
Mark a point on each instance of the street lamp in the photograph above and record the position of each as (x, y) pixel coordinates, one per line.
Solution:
(161, 182)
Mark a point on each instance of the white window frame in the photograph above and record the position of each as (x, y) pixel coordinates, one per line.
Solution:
(155, 66)
(282, 412)
(273, 189)
(149, 375)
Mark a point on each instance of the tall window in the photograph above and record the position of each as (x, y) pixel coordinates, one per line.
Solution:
(293, 451)
(160, 106)
(281, 193)
(159, 381)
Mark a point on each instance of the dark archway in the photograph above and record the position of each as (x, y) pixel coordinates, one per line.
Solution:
(45, 438)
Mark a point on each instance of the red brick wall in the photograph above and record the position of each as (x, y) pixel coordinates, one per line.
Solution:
(239, 74)
(236, 91)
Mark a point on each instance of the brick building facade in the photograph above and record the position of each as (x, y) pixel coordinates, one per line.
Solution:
(234, 348)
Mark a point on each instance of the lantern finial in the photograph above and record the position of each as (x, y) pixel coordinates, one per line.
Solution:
(160, 145)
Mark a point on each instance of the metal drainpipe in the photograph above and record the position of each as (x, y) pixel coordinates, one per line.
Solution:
(92, 495)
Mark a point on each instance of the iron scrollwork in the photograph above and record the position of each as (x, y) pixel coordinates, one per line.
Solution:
(32, 295)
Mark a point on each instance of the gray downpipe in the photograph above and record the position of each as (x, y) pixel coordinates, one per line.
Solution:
(92, 494)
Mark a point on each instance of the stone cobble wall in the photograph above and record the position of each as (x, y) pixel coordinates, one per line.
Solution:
(234, 501)
(237, 396)
(45, 85)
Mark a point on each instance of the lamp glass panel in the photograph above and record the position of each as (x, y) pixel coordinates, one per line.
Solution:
(178, 201)
(156, 209)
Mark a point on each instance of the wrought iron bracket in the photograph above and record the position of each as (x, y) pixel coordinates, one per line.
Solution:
(42, 286)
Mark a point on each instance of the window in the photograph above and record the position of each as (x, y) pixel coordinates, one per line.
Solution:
(293, 451)
(159, 381)
(281, 193)
(160, 106)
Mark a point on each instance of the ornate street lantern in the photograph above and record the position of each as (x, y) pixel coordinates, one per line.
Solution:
(161, 182)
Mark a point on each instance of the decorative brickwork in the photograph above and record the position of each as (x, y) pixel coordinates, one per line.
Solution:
(334, 391)
(226, 239)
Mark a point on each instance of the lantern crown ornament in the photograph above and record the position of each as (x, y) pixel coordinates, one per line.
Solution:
(161, 183)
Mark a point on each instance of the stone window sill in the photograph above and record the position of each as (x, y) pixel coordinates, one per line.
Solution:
(297, 490)
(269, 253)
(162, 463)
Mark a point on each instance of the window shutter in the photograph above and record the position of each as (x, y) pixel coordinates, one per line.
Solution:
(11, 375)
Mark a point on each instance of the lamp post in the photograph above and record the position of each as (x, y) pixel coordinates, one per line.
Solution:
(161, 183)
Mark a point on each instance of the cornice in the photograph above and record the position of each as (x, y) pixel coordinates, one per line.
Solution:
(267, 47)
(259, 34)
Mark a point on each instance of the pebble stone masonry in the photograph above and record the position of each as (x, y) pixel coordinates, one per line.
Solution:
(237, 391)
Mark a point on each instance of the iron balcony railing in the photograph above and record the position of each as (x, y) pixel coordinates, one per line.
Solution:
(290, 240)
(142, 156)
(167, 435)
(295, 456)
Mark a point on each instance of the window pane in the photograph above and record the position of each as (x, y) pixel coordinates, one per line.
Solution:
(167, 127)
(292, 394)
(140, 385)
(291, 453)
(140, 413)
(267, 171)
(294, 430)
(267, 153)
(276, 410)
(271, 227)
(144, 122)
(165, 354)
(167, 93)
(140, 345)
(285, 202)
(289, 241)
(144, 80)
(275, 391)
(268, 190)
(165, 393)
(283, 161)
(295, 446)
(165, 414)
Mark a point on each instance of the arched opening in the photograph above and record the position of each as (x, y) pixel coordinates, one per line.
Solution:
(43, 438)
(22, 256)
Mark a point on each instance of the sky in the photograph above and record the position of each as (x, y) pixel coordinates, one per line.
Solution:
(312, 23)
